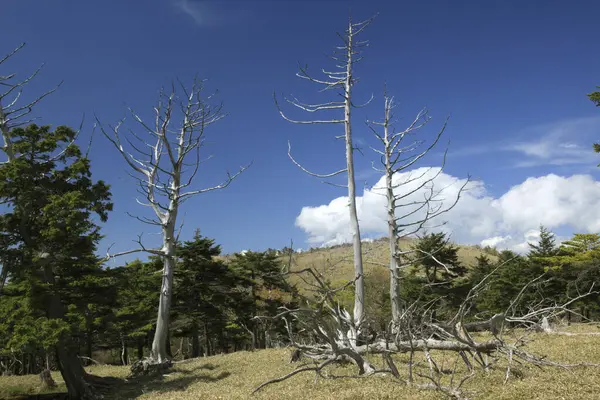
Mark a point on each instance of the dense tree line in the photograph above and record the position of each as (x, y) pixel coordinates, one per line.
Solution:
(550, 273)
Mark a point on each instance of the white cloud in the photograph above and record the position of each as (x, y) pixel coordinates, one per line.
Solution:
(204, 13)
(496, 241)
(509, 221)
(548, 144)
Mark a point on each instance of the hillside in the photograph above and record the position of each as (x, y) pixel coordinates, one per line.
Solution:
(336, 263)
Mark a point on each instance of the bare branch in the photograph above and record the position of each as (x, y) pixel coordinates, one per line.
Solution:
(312, 173)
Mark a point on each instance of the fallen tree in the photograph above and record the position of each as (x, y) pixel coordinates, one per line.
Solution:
(321, 330)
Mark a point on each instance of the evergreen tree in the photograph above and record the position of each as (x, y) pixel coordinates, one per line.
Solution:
(546, 247)
(204, 296)
(47, 235)
(580, 244)
(136, 304)
(436, 275)
(438, 258)
(263, 291)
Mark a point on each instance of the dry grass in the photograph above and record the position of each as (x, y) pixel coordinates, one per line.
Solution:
(337, 263)
(234, 376)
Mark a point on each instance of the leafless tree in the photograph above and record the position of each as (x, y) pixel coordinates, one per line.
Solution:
(165, 163)
(345, 56)
(406, 214)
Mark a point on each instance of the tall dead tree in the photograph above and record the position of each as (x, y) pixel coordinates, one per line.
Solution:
(342, 80)
(406, 214)
(165, 165)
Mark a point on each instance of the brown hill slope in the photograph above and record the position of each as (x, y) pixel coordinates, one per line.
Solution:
(337, 264)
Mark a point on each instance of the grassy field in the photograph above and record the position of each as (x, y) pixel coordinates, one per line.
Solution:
(234, 376)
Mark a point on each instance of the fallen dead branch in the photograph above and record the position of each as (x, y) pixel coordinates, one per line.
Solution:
(329, 336)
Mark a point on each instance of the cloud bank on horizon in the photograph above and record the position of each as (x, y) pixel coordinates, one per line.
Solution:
(506, 222)
(509, 221)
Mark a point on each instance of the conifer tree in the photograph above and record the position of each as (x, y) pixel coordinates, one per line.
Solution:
(546, 247)
(47, 235)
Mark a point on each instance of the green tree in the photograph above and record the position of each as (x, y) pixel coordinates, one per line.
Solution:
(595, 98)
(263, 290)
(436, 275)
(204, 297)
(136, 303)
(581, 243)
(546, 247)
(438, 258)
(48, 233)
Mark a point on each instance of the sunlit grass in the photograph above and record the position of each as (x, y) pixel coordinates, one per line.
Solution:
(234, 376)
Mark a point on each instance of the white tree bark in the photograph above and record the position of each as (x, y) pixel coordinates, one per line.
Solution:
(343, 80)
(396, 158)
(162, 179)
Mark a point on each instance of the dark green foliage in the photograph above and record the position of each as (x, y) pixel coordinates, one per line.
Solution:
(546, 247)
(47, 241)
(264, 289)
(436, 276)
(205, 297)
(437, 258)
(138, 286)
(509, 275)
(595, 97)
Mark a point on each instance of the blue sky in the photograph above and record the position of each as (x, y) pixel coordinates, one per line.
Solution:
(512, 76)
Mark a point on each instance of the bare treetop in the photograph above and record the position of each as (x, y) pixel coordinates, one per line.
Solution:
(13, 113)
(168, 157)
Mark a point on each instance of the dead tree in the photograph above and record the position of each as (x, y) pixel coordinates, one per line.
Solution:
(406, 215)
(346, 56)
(164, 165)
(327, 322)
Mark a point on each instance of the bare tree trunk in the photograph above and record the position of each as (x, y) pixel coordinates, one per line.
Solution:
(393, 242)
(124, 355)
(159, 344)
(342, 80)
(359, 288)
(416, 213)
(208, 347)
(164, 178)
(195, 341)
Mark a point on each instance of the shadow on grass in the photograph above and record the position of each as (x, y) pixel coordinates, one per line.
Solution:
(136, 387)
(121, 389)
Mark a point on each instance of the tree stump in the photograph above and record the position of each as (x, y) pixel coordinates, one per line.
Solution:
(46, 378)
(149, 366)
